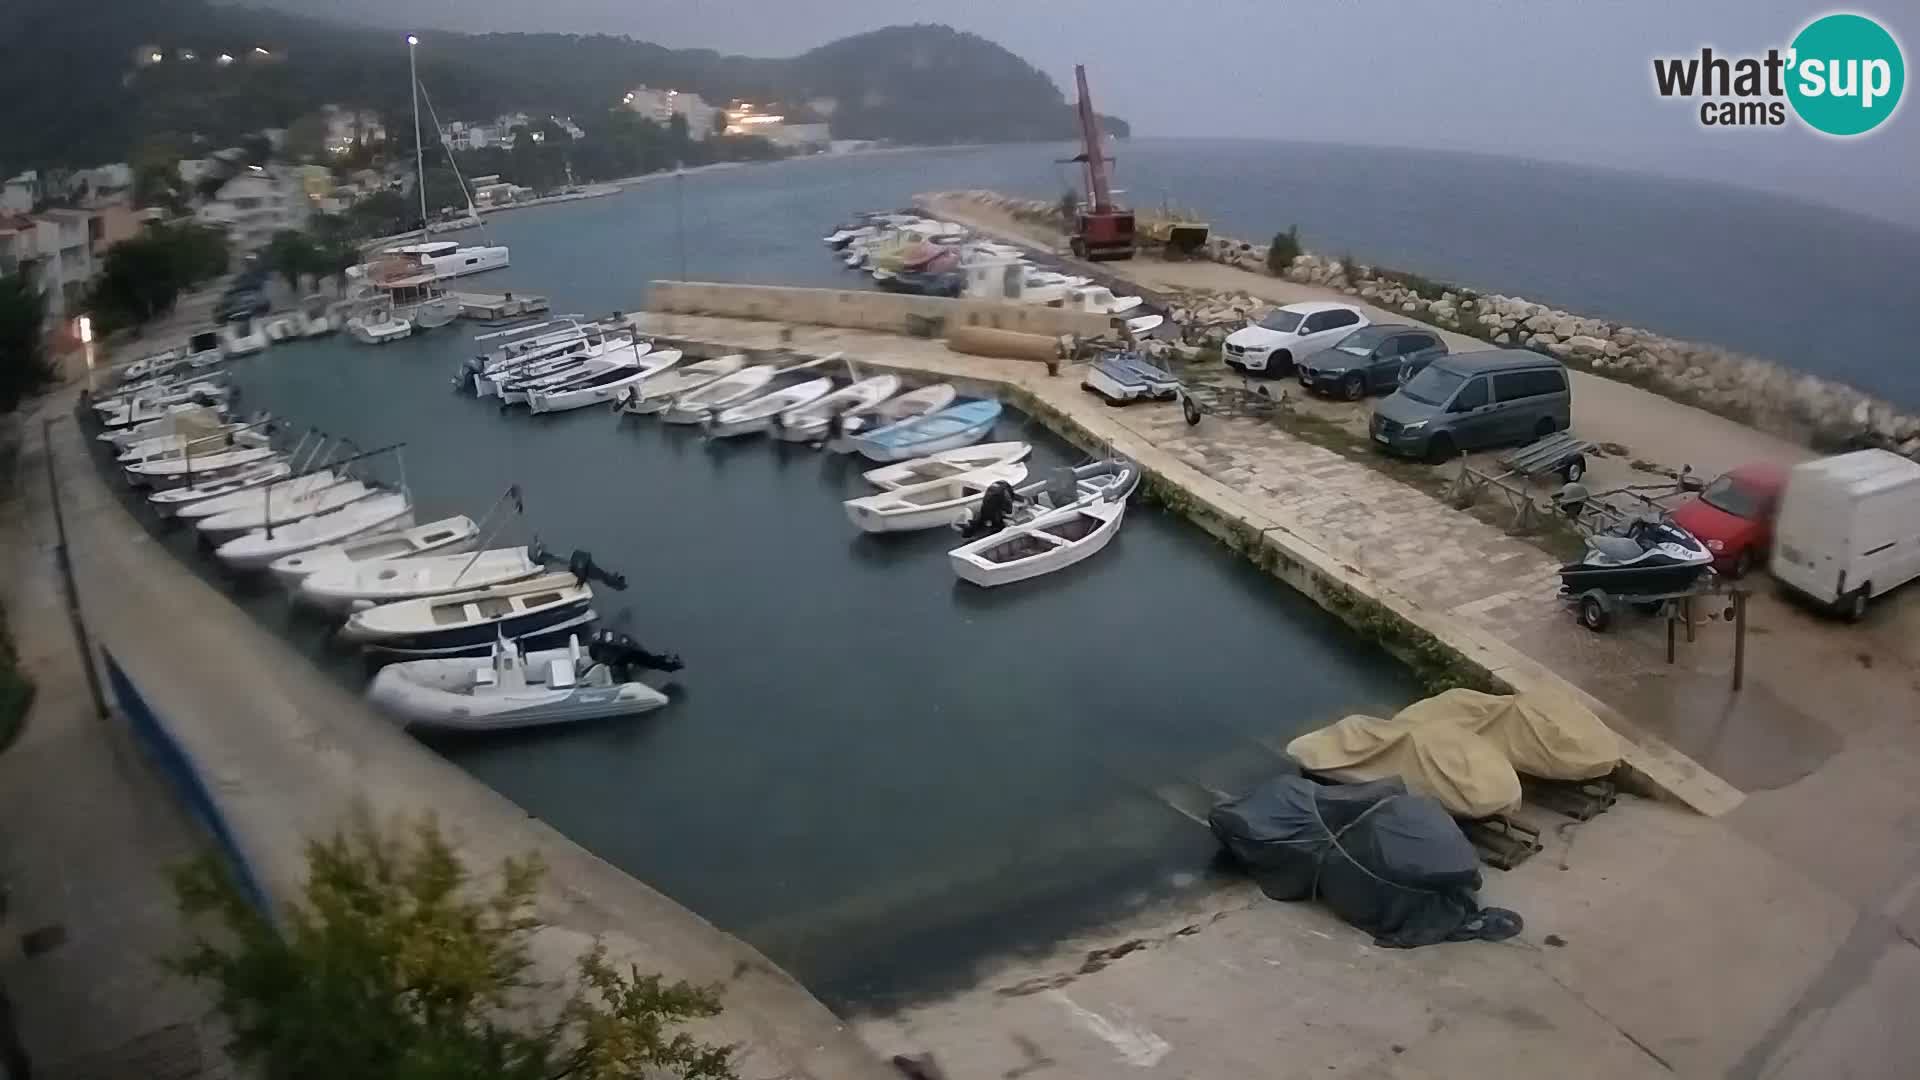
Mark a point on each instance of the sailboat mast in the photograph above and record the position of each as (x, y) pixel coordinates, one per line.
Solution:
(419, 148)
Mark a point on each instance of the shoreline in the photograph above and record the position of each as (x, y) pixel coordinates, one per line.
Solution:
(1809, 410)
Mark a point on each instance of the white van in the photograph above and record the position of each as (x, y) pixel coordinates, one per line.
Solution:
(1849, 528)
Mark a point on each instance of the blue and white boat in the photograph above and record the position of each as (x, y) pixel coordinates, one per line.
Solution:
(468, 623)
(949, 429)
(1125, 376)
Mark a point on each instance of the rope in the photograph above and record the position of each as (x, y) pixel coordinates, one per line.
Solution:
(1333, 841)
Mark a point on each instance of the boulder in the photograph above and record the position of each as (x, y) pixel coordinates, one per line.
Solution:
(1540, 323)
(1586, 345)
(1503, 338)
(1544, 338)
(1567, 326)
(1560, 349)
(1409, 306)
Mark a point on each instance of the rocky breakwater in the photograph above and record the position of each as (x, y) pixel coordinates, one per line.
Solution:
(1762, 393)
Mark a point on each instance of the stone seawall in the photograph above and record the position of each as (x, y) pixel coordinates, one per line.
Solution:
(1762, 393)
(853, 309)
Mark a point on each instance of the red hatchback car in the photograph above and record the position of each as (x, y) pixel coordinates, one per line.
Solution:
(1733, 516)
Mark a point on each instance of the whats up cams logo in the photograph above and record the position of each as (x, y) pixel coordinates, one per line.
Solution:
(1842, 75)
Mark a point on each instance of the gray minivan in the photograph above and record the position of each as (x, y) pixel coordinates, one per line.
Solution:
(1469, 400)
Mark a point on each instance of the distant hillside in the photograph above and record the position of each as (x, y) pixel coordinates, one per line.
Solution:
(72, 91)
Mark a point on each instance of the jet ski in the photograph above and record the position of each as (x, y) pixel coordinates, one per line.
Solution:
(1653, 556)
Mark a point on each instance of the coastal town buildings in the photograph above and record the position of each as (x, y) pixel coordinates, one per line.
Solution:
(255, 204)
(660, 106)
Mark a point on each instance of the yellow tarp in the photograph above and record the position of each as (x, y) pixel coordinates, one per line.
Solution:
(1465, 748)
(1549, 737)
(1465, 772)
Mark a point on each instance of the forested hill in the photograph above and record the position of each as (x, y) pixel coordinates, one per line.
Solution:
(74, 89)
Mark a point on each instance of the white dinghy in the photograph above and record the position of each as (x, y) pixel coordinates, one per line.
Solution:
(354, 586)
(191, 509)
(444, 537)
(932, 503)
(171, 501)
(948, 463)
(378, 513)
(814, 422)
(913, 403)
(696, 405)
(758, 413)
(514, 690)
(1053, 539)
(603, 387)
(168, 472)
(655, 395)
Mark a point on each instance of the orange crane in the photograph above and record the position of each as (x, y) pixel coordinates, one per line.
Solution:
(1101, 230)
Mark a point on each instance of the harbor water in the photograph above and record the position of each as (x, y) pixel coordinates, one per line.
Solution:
(875, 773)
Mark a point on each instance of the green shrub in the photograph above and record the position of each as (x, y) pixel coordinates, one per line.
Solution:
(397, 963)
(1284, 249)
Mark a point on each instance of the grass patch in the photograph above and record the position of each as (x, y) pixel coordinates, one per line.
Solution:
(16, 689)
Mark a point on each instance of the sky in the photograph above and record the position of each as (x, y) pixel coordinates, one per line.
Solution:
(1565, 80)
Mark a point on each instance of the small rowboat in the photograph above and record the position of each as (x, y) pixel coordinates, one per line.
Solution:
(1053, 540)
(172, 471)
(444, 537)
(812, 422)
(468, 623)
(171, 501)
(279, 509)
(947, 463)
(255, 550)
(950, 428)
(603, 387)
(234, 498)
(655, 395)
(735, 389)
(759, 413)
(932, 503)
(355, 586)
(927, 399)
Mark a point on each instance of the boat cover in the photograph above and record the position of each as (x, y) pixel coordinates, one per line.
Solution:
(1467, 773)
(1391, 863)
(1542, 735)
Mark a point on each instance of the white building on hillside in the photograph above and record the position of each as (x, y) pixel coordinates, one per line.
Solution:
(21, 192)
(54, 251)
(254, 205)
(660, 106)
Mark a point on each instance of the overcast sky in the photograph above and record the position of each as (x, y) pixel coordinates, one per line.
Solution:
(1562, 79)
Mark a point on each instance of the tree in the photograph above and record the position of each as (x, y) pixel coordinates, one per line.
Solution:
(332, 258)
(1284, 249)
(141, 277)
(23, 356)
(306, 138)
(396, 962)
(291, 254)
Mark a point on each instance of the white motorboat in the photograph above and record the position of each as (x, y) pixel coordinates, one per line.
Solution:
(950, 428)
(913, 403)
(471, 621)
(380, 513)
(722, 393)
(947, 464)
(932, 503)
(655, 395)
(512, 689)
(152, 364)
(171, 447)
(360, 585)
(172, 471)
(447, 536)
(489, 378)
(188, 419)
(519, 344)
(447, 259)
(242, 338)
(601, 388)
(813, 422)
(191, 508)
(756, 414)
(277, 508)
(1098, 299)
(281, 327)
(142, 411)
(169, 502)
(1052, 540)
(579, 369)
(159, 397)
(378, 327)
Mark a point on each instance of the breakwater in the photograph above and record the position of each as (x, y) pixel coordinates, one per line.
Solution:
(1763, 393)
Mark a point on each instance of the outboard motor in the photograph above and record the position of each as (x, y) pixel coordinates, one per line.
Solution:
(463, 381)
(995, 507)
(623, 655)
(581, 565)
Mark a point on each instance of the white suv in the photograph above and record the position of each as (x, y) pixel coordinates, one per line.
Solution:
(1290, 334)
